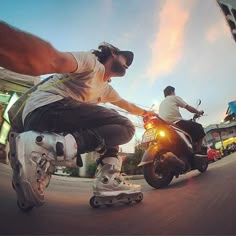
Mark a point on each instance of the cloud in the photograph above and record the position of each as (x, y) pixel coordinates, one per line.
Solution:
(216, 31)
(168, 43)
(107, 7)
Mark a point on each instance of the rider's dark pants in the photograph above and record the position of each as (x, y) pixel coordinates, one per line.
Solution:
(89, 124)
(195, 129)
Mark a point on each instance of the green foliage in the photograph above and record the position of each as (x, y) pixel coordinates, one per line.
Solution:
(72, 171)
(66, 170)
(91, 169)
(130, 164)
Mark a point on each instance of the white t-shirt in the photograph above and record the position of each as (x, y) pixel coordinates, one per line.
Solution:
(85, 85)
(169, 108)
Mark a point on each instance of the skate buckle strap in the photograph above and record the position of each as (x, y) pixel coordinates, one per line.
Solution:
(101, 149)
(99, 161)
(79, 161)
(101, 158)
(125, 178)
(43, 164)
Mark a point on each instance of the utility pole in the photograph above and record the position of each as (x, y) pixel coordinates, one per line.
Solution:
(218, 129)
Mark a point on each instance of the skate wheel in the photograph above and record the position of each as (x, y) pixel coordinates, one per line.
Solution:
(94, 203)
(23, 207)
(140, 198)
(128, 203)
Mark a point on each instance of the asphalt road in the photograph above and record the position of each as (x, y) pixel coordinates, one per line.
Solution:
(194, 204)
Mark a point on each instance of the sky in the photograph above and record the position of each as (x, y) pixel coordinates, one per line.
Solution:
(183, 43)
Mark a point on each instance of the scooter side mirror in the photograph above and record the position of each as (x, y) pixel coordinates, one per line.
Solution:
(198, 102)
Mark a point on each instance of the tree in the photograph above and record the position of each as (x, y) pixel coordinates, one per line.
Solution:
(130, 166)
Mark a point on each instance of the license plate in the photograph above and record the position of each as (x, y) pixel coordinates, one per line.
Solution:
(149, 135)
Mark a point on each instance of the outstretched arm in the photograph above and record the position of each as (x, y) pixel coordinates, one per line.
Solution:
(25, 53)
(194, 110)
(130, 107)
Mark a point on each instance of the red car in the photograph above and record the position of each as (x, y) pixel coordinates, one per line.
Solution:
(213, 154)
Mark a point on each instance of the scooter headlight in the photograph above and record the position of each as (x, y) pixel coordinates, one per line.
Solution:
(162, 133)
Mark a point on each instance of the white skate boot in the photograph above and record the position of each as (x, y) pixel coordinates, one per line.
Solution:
(33, 157)
(111, 187)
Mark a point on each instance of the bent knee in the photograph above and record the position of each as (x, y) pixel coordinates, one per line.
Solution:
(129, 129)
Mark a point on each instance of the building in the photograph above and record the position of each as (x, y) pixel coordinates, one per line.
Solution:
(231, 111)
(220, 135)
(14, 82)
(12, 86)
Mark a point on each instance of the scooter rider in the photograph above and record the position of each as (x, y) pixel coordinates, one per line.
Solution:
(169, 111)
(68, 102)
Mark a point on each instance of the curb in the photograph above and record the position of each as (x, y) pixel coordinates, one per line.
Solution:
(83, 179)
(71, 179)
(134, 177)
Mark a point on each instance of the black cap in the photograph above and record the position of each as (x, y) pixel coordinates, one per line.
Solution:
(128, 55)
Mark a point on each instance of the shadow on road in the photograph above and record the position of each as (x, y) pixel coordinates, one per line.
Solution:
(197, 177)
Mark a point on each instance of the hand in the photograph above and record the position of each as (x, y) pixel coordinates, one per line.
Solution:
(149, 113)
(200, 112)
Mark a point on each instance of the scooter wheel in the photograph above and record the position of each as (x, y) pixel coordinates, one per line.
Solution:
(140, 198)
(203, 167)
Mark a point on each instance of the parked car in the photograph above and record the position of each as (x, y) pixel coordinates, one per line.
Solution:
(231, 147)
(225, 152)
(213, 154)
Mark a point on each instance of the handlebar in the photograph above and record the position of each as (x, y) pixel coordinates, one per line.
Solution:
(147, 117)
(196, 116)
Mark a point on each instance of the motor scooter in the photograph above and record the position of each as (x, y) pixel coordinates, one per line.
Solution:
(169, 153)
